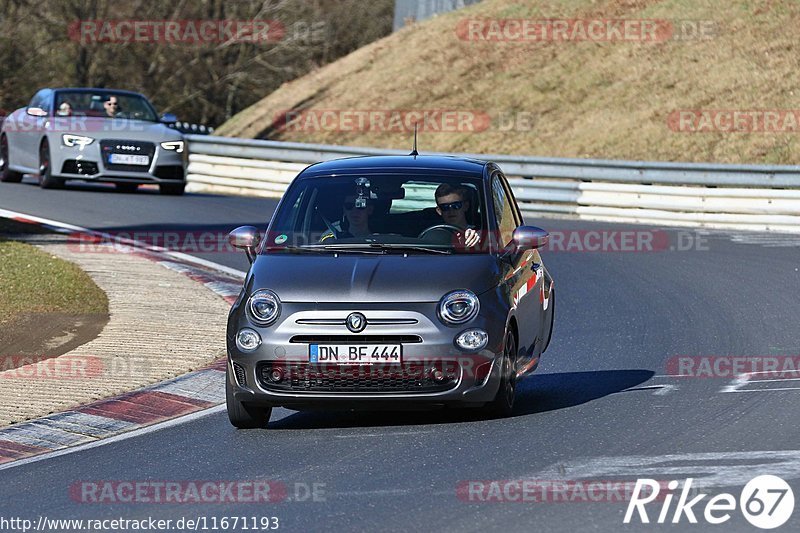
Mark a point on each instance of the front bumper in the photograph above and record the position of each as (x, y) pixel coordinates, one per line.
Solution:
(88, 164)
(470, 378)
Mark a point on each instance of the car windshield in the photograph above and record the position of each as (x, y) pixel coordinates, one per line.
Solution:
(102, 104)
(379, 214)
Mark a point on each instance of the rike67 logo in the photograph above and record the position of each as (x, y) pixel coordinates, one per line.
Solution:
(767, 502)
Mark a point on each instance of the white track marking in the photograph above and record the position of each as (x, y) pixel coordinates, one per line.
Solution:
(718, 469)
(65, 228)
(124, 436)
(130, 242)
(743, 380)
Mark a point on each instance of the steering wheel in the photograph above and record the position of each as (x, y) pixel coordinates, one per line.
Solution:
(449, 227)
(330, 226)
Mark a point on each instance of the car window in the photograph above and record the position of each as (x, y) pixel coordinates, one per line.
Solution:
(506, 222)
(383, 209)
(40, 100)
(91, 104)
(416, 195)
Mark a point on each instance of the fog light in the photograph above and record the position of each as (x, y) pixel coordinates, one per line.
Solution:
(438, 375)
(247, 340)
(472, 340)
(276, 375)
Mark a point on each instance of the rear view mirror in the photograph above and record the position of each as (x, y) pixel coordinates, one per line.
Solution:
(530, 237)
(169, 118)
(247, 239)
(36, 112)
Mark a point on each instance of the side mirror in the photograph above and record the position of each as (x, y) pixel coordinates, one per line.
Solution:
(169, 118)
(36, 112)
(529, 237)
(246, 238)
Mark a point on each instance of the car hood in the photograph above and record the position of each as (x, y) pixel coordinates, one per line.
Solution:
(369, 278)
(103, 128)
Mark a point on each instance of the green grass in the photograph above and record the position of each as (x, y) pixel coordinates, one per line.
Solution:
(32, 281)
(589, 99)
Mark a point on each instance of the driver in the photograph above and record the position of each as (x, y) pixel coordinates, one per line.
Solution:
(452, 205)
(111, 105)
(356, 219)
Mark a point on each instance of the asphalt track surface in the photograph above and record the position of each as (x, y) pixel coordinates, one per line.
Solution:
(599, 408)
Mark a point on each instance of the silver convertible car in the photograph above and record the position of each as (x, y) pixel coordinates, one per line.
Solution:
(100, 135)
(386, 282)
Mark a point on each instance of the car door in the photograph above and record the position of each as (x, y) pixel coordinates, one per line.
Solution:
(524, 280)
(30, 130)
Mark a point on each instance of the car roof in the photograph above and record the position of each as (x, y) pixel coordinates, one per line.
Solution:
(393, 163)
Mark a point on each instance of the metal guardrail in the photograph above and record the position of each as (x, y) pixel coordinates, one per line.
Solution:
(757, 197)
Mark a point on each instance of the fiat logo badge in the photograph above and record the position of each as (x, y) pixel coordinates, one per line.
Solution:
(356, 322)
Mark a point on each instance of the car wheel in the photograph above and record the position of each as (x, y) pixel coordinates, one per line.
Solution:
(46, 179)
(503, 403)
(244, 416)
(126, 187)
(172, 189)
(6, 174)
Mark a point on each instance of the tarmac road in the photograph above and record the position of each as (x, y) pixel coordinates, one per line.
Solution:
(601, 408)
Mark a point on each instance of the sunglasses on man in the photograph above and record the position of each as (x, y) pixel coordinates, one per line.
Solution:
(455, 206)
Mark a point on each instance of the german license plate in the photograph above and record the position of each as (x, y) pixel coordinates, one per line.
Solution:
(128, 159)
(355, 354)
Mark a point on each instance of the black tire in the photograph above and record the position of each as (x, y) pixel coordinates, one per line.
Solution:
(6, 174)
(172, 189)
(503, 404)
(126, 188)
(244, 416)
(46, 179)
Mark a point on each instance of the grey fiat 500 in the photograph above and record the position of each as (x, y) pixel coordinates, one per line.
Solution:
(389, 282)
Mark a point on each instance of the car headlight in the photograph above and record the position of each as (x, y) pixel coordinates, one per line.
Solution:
(76, 140)
(458, 307)
(264, 307)
(176, 146)
(472, 340)
(248, 340)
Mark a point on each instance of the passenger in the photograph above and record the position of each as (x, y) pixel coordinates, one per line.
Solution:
(452, 205)
(64, 110)
(356, 219)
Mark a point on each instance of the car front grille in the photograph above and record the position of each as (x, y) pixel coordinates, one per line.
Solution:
(121, 146)
(364, 379)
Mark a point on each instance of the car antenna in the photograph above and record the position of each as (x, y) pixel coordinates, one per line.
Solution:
(414, 150)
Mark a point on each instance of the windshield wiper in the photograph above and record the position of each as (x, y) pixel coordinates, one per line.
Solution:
(318, 248)
(382, 247)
